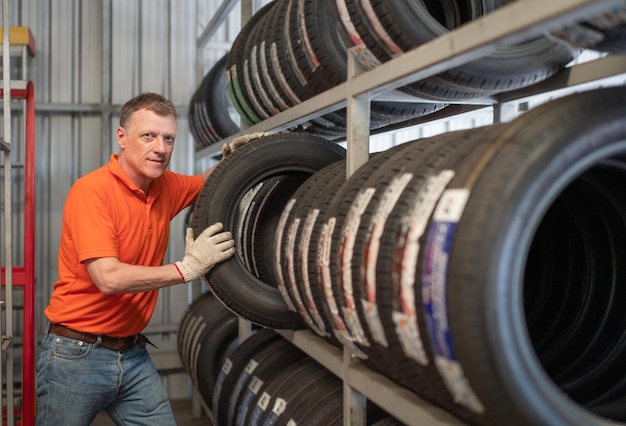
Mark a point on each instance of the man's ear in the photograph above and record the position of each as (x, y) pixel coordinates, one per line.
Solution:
(121, 137)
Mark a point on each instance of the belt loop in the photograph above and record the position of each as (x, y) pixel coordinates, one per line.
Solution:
(98, 341)
(47, 329)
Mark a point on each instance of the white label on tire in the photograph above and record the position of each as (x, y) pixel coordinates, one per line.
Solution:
(247, 82)
(456, 382)
(278, 252)
(264, 401)
(409, 336)
(359, 50)
(278, 72)
(414, 224)
(257, 83)
(252, 365)
(370, 310)
(279, 406)
(346, 252)
(290, 249)
(434, 286)
(266, 77)
(228, 364)
(307, 230)
(388, 201)
(255, 385)
(451, 205)
(323, 264)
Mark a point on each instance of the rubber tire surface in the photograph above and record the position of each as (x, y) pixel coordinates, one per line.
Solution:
(281, 154)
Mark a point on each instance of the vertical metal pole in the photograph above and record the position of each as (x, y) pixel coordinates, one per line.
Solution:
(246, 11)
(28, 361)
(106, 123)
(504, 112)
(358, 134)
(6, 78)
(244, 329)
(354, 403)
(358, 123)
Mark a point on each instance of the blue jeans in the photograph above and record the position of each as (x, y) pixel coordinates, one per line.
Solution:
(77, 380)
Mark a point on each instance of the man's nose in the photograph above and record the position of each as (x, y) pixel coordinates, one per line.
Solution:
(159, 144)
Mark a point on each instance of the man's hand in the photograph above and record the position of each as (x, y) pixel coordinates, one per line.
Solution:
(210, 248)
(239, 141)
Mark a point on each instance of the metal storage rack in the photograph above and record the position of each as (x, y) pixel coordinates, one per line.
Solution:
(19, 43)
(509, 24)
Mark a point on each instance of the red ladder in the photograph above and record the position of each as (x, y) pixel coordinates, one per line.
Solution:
(25, 275)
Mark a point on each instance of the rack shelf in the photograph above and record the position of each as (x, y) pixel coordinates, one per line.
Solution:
(404, 404)
(512, 23)
(520, 20)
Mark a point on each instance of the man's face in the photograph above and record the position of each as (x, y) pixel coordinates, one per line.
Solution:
(146, 143)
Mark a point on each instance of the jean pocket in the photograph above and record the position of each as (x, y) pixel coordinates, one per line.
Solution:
(63, 347)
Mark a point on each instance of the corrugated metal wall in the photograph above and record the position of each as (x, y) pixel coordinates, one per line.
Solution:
(92, 56)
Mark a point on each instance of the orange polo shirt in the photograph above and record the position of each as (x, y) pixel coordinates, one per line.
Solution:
(106, 215)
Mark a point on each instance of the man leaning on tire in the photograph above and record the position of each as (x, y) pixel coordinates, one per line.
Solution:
(114, 237)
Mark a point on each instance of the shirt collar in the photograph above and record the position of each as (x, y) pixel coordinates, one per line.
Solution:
(118, 172)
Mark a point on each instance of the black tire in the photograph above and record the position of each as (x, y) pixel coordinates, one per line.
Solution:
(214, 346)
(235, 78)
(614, 39)
(206, 336)
(263, 404)
(217, 101)
(410, 24)
(232, 368)
(323, 250)
(255, 162)
(258, 223)
(531, 177)
(199, 128)
(391, 258)
(603, 33)
(297, 282)
(268, 364)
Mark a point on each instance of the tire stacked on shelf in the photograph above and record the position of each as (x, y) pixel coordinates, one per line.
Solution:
(207, 334)
(209, 109)
(268, 380)
(289, 52)
(479, 268)
(378, 30)
(233, 195)
(604, 33)
(292, 50)
(494, 267)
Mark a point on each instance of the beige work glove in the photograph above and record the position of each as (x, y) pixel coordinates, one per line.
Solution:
(239, 141)
(210, 248)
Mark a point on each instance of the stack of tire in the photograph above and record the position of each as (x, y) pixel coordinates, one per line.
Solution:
(482, 269)
(209, 109)
(291, 51)
(268, 380)
(207, 334)
(605, 32)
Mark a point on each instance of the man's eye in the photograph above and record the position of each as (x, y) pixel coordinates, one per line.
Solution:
(169, 139)
(148, 135)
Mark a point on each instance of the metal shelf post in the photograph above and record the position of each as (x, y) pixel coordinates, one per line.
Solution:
(13, 275)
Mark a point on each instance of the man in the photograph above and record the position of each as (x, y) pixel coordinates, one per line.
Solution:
(114, 237)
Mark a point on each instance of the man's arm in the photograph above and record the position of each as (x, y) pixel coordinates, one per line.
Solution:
(112, 276)
(211, 247)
